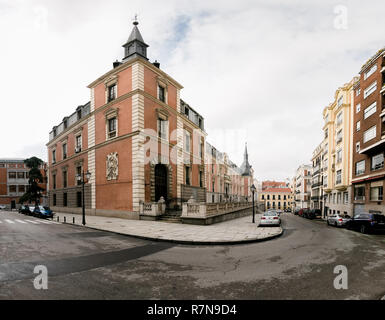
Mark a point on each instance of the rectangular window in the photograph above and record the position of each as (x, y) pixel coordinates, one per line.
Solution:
(64, 199)
(346, 198)
(370, 110)
(378, 161)
(54, 156)
(11, 175)
(358, 125)
(187, 138)
(339, 155)
(112, 93)
(64, 151)
(339, 136)
(21, 188)
(20, 175)
(370, 72)
(54, 181)
(12, 189)
(163, 129)
(201, 147)
(358, 107)
(357, 146)
(358, 91)
(340, 100)
(78, 143)
(64, 179)
(201, 179)
(339, 177)
(369, 90)
(78, 173)
(360, 167)
(370, 134)
(339, 118)
(162, 96)
(112, 128)
(54, 200)
(187, 173)
(376, 193)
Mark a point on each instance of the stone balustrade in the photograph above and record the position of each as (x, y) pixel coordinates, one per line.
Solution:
(153, 209)
(192, 209)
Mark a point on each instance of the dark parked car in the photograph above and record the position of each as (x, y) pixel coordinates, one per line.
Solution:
(312, 213)
(296, 211)
(367, 222)
(303, 212)
(48, 209)
(24, 209)
(40, 212)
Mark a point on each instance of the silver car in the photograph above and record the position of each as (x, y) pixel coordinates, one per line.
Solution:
(270, 218)
(337, 220)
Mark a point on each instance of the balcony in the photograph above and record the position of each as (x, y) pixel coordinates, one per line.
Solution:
(316, 185)
(359, 198)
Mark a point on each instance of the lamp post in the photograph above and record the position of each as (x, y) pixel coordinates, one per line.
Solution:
(252, 188)
(80, 178)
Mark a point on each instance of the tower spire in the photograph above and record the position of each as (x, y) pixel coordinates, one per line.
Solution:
(135, 45)
(246, 167)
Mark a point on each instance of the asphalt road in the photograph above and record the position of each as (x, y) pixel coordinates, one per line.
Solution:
(88, 264)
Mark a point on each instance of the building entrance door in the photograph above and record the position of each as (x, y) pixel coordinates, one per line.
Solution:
(161, 188)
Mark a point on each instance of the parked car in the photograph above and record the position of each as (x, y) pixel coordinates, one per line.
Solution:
(24, 209)
(367, 222)
(287, 210)
(3, 207)
(303, 212)
(337, 220)
(311, 213)
(296, 212)
(31, 210)
(279, 211)
(40, 212)
(270, 218)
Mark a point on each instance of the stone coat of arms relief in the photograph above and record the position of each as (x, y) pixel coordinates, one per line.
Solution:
(112, 166)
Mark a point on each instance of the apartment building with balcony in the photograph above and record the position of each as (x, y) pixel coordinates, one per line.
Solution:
(317, 179)
(368, 170)
(302, 186)
(14, 176)
(338, 151)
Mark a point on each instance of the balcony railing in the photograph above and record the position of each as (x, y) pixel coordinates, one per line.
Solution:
(359, 198)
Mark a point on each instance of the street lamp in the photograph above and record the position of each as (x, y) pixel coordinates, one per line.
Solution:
(80, 178)
(252, 188)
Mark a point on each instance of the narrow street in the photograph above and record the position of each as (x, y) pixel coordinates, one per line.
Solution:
(87, 264)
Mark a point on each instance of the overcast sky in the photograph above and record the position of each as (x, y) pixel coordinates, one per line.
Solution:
(257, 71)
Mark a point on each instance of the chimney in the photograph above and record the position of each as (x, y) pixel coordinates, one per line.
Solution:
(156, 64)
(116, 64)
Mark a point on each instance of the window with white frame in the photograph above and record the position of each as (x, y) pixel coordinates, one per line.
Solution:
(53, 156)
(78, 143)
(339, 177)
(370, 72)
(376, 193)
(369, 90)
(161, 93)
(358, 91)
(163, 128)
(339, 118)
(112, 92)
(111, 127)
(187, 138)
(346, 198)
(370, 110)
(64, 151)
(378, 161)
(360, 167)
(358, 107)
(358, 125)
(370, 134)
(339, 155)
(339, 136)
(340, 100)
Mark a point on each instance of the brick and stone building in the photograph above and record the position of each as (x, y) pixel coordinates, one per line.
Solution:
(368, 145)
(14, 177)
(302, 186)
(275, 195)
(137, 138)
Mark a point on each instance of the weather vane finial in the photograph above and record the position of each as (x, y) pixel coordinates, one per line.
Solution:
(136, 19)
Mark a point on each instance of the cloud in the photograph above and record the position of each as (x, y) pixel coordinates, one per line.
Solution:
(265, 68)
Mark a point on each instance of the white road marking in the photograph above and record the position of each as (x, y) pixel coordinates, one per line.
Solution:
(21, 221)
(9, 221)
(34, 222)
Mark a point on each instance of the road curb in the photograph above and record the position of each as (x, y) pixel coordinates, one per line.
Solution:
(186, 242)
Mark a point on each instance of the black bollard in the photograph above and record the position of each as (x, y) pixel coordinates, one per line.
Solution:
(57, 218)
(73, 220)
(64, 219)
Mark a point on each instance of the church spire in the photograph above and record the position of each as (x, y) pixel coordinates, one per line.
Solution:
(246, 167)
(135, 45)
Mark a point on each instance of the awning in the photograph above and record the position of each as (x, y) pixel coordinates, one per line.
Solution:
(369, 179)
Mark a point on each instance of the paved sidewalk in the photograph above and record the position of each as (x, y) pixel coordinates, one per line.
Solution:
(240, 230)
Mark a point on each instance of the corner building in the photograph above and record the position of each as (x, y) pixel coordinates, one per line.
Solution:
(136, 137)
